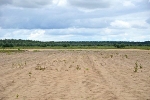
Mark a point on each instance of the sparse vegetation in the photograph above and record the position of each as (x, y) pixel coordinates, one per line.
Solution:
(19, 64)
(111, 56)
(126, 56)
(9, 51)
(136, 67)
(86, 69)
(36, 51)
(65, 61)
(30, 74)
(19, 49)
(39, 67)
(25, 63)
(78, 68)
(70, 66)
(141, 66)
(13, 64)
(117, 53)
(17, 96)
(56, 69)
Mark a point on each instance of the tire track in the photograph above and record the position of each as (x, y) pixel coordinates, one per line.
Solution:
(97, 82)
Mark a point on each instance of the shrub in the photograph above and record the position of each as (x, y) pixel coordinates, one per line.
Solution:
(119, 45)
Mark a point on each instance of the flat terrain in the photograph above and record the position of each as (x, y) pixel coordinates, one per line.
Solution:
(75, 75)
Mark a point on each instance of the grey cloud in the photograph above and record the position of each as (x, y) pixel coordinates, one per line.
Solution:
(139, 27)
(41, 19)
(5, 2)
(56, 17)
(26, 3)
(116, 4)
(91, 23)
(31, 3)
(90, 4)
(148, 20)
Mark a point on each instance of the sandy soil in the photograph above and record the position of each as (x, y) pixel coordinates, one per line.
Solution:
(75, 75)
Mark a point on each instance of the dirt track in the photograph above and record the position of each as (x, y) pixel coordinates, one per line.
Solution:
(75, 75)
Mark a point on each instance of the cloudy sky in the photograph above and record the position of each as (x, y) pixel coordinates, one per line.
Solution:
(75, 20)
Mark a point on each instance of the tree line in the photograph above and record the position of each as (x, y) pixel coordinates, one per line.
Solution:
(28, 43)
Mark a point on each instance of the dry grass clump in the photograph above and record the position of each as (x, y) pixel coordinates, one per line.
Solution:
(39, 67)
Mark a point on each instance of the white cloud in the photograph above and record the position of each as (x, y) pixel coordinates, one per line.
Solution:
(78, 34)
(128, 4)
(139, 24)
(130, 24)
(36, 34)
(120, 24)
(107, 30)
(62, 3)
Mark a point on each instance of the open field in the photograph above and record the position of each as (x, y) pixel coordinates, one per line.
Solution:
(75, 75)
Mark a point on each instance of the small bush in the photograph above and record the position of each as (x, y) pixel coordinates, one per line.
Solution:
(119, 45)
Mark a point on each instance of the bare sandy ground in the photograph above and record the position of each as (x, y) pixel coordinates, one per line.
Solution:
(75, 75)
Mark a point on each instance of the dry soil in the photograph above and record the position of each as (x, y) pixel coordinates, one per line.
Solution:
(75, 75)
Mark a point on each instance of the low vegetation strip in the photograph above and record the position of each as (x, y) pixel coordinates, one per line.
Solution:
(30, 44)
(10, 50)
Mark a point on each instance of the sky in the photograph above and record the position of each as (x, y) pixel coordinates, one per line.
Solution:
(75, 20)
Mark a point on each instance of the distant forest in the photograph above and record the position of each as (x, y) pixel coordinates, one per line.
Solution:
(31, 43)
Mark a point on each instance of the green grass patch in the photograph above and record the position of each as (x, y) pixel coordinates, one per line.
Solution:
(138, 47)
